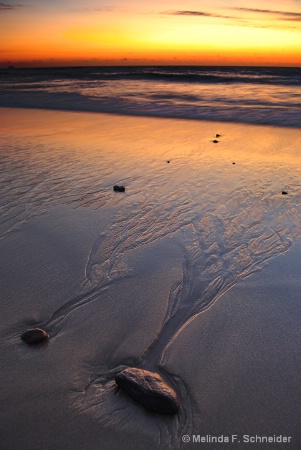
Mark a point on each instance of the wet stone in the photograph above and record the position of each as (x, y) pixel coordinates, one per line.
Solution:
(34, 336)
(117, 188)
(149, 389)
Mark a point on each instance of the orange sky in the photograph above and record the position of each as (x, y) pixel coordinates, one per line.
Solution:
(213, 32)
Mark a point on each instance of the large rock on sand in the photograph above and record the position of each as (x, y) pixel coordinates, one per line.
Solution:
(149, 389)
(34, 336)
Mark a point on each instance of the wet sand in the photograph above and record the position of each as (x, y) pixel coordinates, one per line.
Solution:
(193, 272)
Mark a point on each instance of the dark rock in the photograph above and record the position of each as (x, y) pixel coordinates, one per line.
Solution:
(34, 336)
(117, 188)
(284, 193)
(168, 162)
(217, 135)
(233, 163)
(149, 389)
(215, 141)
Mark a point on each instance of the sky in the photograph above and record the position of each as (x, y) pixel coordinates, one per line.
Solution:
(37, 33)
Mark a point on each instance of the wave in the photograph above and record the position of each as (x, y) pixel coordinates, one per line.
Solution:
(269, 96)
(183, 74)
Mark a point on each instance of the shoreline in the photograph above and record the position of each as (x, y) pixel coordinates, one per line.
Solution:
(89, 107)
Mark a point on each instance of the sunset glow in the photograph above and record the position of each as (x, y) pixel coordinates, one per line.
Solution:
(163, 32)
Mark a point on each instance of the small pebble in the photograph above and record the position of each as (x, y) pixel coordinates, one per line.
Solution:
(168, 162)
(233, 163)
(217, 135)
(215, 141)
(284, 193)
(117, 188)
(34, 336)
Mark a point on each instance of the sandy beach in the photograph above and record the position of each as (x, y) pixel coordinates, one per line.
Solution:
(193, 272)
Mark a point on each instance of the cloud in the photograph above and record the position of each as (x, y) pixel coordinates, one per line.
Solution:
(283, 15)
(188, 13)
(7, 7)
(241, 20)
(197, 14)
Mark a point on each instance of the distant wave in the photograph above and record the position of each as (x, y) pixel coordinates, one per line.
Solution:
(183, 74)
(241, 94)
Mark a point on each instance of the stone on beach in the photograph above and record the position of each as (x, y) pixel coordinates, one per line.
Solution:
(34, 336)
(149, 389)
(117, 188)
(215, 141)
(284, 193)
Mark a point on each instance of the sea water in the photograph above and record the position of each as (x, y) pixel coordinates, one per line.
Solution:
(256, 95)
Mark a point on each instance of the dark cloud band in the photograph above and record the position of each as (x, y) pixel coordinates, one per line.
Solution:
(197, 14)
(7, 7)
(281, 15)
(284, 15)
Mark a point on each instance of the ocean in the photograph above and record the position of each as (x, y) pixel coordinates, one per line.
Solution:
(255, 95)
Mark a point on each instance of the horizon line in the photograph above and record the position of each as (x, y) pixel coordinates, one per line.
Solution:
(17, 66)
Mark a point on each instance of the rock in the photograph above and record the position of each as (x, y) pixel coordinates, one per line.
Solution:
(284, 193)
(217, 135)
(168, 162)
(149, 389)
(34, 336)
(233, 163)
(215, 141)
(117, 188)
